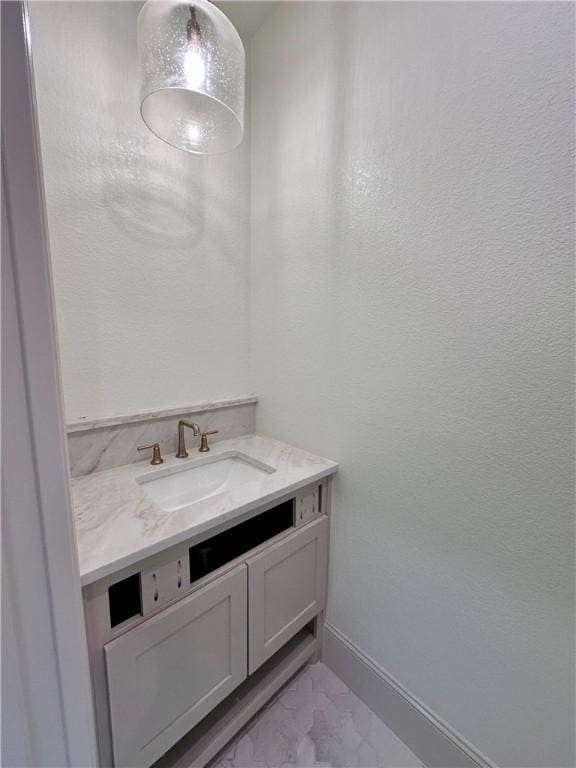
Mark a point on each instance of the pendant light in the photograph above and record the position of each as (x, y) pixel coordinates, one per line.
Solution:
(192, 67)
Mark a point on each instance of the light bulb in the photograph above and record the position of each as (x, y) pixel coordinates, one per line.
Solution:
(195, 69)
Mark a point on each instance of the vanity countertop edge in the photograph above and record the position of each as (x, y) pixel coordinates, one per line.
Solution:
(118, 524)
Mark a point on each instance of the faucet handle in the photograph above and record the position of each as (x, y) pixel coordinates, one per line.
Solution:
(156, 457)
(204, 447)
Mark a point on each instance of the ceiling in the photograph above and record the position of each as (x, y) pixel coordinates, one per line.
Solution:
(246, 15)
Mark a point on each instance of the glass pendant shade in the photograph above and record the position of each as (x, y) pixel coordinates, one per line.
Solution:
(192, 67)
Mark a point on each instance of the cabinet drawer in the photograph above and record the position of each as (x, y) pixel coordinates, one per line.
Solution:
(165, 675)
(286, 588)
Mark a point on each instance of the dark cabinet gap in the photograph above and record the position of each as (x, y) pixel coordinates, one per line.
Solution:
(215, 552)
(125, 599)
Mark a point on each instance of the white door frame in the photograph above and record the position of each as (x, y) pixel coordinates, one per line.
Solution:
(47, 712)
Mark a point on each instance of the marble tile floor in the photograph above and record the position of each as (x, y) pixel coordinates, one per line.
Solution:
(316, 722)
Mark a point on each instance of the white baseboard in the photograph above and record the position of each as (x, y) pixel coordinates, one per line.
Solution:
(430, 738)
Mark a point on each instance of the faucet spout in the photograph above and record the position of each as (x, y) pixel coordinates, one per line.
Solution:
(182, 453)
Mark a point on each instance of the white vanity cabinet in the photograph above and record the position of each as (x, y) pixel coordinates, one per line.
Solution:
(188, 644)
(286, 588)
(165, 675)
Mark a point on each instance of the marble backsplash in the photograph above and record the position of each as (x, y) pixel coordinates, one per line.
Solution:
(106, 443)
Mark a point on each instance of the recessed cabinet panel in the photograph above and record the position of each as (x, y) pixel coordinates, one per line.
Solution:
(165, 675)
(307, 507)
(286, 588)
(165, 582)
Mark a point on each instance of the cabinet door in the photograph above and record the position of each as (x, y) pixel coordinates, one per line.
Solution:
(286, 588)
(165, 675)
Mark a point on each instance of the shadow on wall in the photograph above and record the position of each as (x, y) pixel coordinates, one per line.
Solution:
(150, 193)
(150, 190)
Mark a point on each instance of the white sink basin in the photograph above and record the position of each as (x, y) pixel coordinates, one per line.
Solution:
(176, 487)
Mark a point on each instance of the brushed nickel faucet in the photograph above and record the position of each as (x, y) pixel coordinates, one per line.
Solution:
(182, 453)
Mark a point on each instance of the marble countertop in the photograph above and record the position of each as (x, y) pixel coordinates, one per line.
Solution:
(117, 523)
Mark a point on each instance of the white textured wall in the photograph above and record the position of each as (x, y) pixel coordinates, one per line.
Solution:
(412, 272)
(150, 246)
